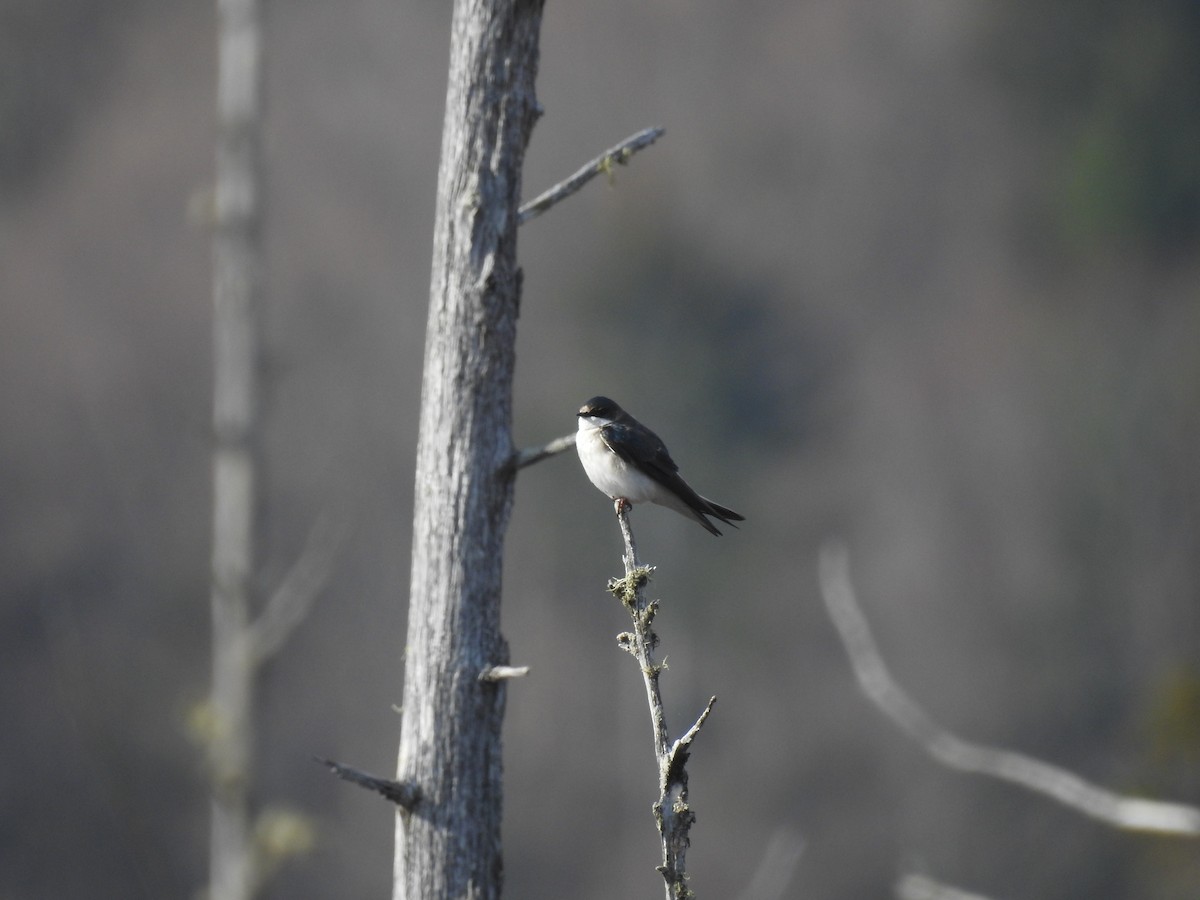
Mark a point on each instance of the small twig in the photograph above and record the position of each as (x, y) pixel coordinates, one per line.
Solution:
(671, 810)
(1132, 813)
(531, 455)
(685, 741)
(678, 754)
(291, 601)
(503, 673)
(602, 164)
(402, 794)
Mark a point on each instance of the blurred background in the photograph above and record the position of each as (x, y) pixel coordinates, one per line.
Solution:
(922, 275)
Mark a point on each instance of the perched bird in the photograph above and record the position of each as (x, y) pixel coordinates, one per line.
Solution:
(630, 463)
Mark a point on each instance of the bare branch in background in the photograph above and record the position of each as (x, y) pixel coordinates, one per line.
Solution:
(919, 887)
(244, 852)
(602, 164)
(237, 301)
(292, 600)
(1132, 813)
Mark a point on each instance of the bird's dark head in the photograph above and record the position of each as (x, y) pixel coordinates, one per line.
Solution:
(599, 408)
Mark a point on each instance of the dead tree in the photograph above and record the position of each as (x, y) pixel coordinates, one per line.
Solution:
(448, 788)
(448, 841)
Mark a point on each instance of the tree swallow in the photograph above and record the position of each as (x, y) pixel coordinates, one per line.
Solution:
(630, 463)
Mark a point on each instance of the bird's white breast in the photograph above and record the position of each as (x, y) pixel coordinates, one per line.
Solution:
(607, 471)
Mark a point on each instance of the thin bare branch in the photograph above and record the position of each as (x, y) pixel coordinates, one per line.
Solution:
(404, 795)
(602, 164)
(1132, 813)
(289, 605)
(671, 810)
(919, 887)
(531, 455)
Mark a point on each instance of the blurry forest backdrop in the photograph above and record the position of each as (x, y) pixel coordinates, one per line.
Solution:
(925, 275)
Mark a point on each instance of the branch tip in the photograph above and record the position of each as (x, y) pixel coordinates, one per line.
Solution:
(503, 673)
(690, 734)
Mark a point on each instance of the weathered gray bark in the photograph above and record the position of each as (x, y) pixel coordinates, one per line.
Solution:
(448, 846)
(237, 290)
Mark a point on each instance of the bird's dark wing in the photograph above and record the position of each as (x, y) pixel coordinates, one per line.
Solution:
(642, 448)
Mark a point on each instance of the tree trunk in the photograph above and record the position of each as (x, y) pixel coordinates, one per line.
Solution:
(449, 845)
